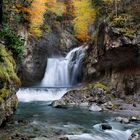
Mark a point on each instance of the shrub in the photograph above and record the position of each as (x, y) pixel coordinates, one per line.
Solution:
(12, 41)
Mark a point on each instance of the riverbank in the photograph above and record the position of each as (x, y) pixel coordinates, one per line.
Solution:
(98, 97)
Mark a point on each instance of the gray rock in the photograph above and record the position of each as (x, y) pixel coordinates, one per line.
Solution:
(84, 104)
(40, 138)
(135, 135)
(122, 120)
(107, 106)
(95, 107)
(64, 138)
(59, 104)
(134, 119)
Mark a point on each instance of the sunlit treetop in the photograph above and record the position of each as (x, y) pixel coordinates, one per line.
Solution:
(85, 16)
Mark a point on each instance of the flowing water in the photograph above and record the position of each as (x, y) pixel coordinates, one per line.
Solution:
(66, 71)
(43, 121)
(75, 123)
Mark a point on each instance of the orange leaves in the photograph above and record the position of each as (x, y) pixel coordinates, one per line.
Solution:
(37, 11)
(85, 16)
(36, 16)
(79, 12)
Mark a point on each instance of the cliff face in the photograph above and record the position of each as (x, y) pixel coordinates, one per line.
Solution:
(118, 58)
(9, 82)
(114, 57)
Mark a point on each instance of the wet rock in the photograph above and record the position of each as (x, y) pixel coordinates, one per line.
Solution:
(40, 138)
(95, 107)
(99, 93)
(85, 104)
(134, 119)
(59, 104)
(107, 106)
(106, 126)
(135, 135)
(122, 120)
(64, 138)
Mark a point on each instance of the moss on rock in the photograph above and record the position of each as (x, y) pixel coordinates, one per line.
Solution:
(101, 86)
(8, 75)
(7, 67)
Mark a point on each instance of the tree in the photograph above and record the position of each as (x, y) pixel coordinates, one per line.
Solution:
(84, 17)
(70, 11)
(36, 10)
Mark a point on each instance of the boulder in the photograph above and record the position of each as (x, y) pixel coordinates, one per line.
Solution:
(59, 104)
(122, 120)
(94, 107)
(64, 138)
(106, 126)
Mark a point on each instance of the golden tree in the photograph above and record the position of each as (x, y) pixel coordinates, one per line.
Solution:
(36, 10)
(85, 16)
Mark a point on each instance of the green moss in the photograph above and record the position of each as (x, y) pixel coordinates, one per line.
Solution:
(129, 32)
(101, 86)
(4, 93)
(116, 107)
(7, 68)
(1, 100)
(13, 42)
(121, 20)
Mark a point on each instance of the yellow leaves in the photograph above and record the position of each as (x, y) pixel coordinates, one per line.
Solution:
(37, 11)
(80, 11)
(85, 16)
(36, 16)
(56, 7)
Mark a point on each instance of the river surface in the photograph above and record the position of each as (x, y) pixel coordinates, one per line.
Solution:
(36, 119)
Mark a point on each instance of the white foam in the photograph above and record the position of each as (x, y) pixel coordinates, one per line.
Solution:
(28, 95)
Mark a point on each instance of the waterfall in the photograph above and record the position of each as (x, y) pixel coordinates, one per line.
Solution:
(60, 72)
(64, 72)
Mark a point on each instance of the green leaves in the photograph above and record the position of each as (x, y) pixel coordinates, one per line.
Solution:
(12, 41)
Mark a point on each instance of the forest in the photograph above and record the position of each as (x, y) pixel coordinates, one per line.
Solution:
(69, 70)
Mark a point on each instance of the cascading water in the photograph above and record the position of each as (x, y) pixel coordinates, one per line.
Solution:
(60, 74)
(64, 72)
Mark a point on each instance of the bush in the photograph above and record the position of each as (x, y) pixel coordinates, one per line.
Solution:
(12, 41)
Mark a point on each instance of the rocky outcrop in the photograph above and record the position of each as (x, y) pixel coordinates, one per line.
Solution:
(8, 107)
(9, 82)
(95, 97)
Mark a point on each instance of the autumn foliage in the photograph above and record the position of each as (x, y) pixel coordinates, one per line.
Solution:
(36, 10)
(80, 12)
(85, 16)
